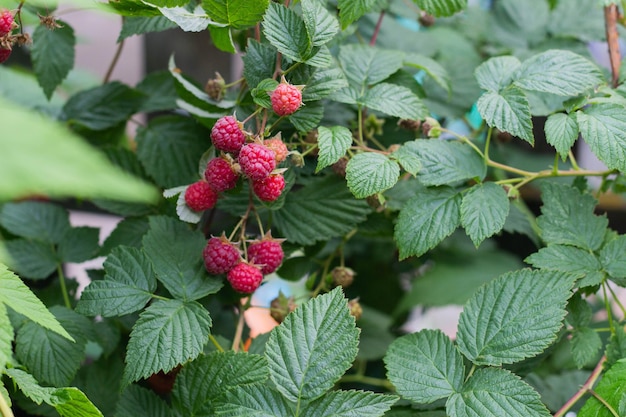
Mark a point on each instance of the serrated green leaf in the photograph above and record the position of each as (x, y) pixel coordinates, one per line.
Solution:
(484, 210)
(603, 126)
(431, 67)
(15, 294)
(286, 30)
(496, 393)
(558, 72)
(256, 400)
(611, 388)
(140, 25)
(369, 173)
(222, 38)
(445, 162)
(613, 257)
(349, 404)
(72, 402)
(35, 220)
(425, 366)
(320, 24)
(567, 218)
(588, 26)
(352, 10)
(259, 62)
(165, 137)
(179, 267)
(200, 383)
(53, 55)
(137, 401)
(586, 345)
(51, 357)
(579, 311)
(441, 8)
(509, 111)
(127, 287)
(333, 144)
(195, 20)
(79, 244)
(497, 73)
(616, 348)
(322, 83)
(6, 338)
(514, 317)
(426, 220)
(408, 159)
(565, 259)
(29, 385)
(312, 347)
(322, 209)
(308, 117)
(167, 334)
(102, 107)
(160, 92)
(561, 132)
(238, 14)
(365, 65)
(394, 100)
(32, 259)
(128, 232)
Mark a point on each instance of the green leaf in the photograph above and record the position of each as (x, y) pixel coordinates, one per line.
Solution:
(514, 317)
(286, 30)
(312, 347)
(369, 173)
(50, 357)
(195, 20)
(431, 67)
(128, 232)
(603, 126)
(394, 100)
(616, 348)
(567, 218)
(160, 92)
(558, 72)
(509, 111)
(167, 334)
(322, 83)
(200, 383)
(611, 388)
(6, 338)
(307, 117)
(441, 8)
(79, 244)
(322, 209)
(496, 393)
(565, 259)
(426, 220)
(566, 21)
(169, 136)
(238, 14)
(53, 55)
(408, 159)
(102, 107)
(352, 10)
(179, 267)
(137, 401)
(484, 210)
(613, 258)
(35, 220)
(497, 73)
(127, 287)
(333, 144)
(32, 259)
(259, 62)
(365, 65)
(140, 25)
(586, 344)
(561, 132)
(256, 400)
(222, 39)
(349, 404)
(320, 24)
(15, 294)
(425, 366)
(29, 385)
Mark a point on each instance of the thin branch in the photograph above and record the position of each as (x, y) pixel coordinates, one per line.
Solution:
(583, 390)
(116, 58)
(611, 15)
(377, 29)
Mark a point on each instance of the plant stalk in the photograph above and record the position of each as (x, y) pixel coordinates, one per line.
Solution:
(5, 410)
(583, 390)
(611, 15)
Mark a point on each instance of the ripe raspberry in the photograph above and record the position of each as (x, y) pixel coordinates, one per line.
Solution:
(268, 253)
(245, 278)
(279, 148)
(227, 135)
(220, 255)
(286, 99)
(200, 196)
(270, 188)
(4, 54)
(257, 161)
(6, 22)
(220, 175)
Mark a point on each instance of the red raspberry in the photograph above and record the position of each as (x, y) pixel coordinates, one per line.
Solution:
(6, 22)
(220, 175)
(227, 135)
(279, 148)
(270, 188)
(200, 196)
(4, 54)
(245, 278)
(257, 161)
(286, 99)
(220, 255)
(268, 253)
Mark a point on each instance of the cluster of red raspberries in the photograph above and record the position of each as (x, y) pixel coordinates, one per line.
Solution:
(6, 27)
(245, 273)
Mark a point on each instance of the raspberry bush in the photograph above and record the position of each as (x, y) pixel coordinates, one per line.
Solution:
(280, 231)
